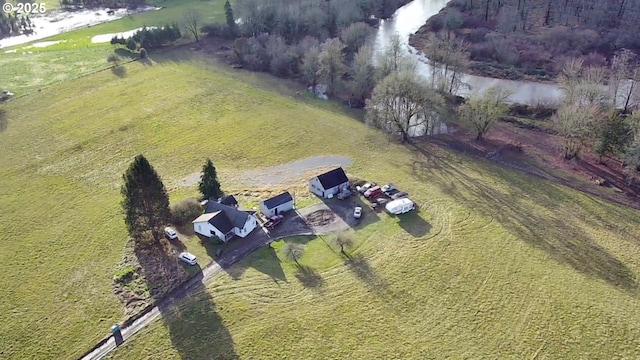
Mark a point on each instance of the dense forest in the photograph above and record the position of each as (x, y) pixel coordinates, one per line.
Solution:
(534, 38)
(13, 24)
(114, 4)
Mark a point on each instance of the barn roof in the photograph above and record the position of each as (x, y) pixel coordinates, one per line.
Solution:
(333, 178)
(278, 200)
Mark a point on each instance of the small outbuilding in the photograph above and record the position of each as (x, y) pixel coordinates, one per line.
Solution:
(277, 205)
(329, 184)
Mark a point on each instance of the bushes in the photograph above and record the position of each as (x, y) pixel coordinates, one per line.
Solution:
(157, 37)
(185, 211)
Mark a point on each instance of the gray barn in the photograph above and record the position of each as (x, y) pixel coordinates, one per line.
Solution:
(277, 205)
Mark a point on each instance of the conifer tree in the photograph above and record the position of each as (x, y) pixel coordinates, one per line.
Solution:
(145, 201)
(209, 185)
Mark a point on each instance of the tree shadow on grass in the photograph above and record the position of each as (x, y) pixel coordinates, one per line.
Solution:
(4, 120)
(146, 61)
(119, 71)
(161, 268)
(265, 260)
(309, 278)
(552, 233)
(196, 329)
(361, 268)
(126, 54)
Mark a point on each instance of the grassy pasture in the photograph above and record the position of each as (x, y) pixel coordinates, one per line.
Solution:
(496, 264)
(30, 68)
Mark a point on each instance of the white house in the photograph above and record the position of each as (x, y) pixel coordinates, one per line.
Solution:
(329, 184)
(277, 205)
(225, 222)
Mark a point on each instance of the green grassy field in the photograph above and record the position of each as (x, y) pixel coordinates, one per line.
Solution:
(496, 265)
(31, 68)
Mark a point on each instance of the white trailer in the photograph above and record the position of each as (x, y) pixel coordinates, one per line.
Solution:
(400, 206)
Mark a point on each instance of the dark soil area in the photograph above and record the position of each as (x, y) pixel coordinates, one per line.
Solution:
(537, 152)
(321, 217)
(532, 40)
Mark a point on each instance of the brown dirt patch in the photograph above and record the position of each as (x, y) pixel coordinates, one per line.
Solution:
(537, 153)
(321, 218)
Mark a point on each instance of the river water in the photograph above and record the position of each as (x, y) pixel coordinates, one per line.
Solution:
(409, 18)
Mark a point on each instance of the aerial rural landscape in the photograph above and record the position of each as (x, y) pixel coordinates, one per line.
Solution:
(320, 179)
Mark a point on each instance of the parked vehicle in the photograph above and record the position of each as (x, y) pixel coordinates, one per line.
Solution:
(189, 258)
(273, 222)
(374, 191)
(388, 187)
(371, 190)
(365, 187)
(171, 234)
(357, 212)
(345, 194)
(382, 201)
(399, 195)
(391, 192)
(400, 206)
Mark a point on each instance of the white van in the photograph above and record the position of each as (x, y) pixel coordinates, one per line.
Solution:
(400, 206)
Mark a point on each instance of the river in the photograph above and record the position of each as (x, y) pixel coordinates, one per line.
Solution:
(409, 18)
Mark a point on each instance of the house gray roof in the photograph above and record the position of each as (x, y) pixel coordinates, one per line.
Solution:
(229, 200)
(237, 218)
(333, 178)
(278, 200)
(218, 219)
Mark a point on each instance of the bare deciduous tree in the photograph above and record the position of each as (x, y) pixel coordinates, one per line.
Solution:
(311, 66)
(191, 20)
(332, 65)
(393, 59)
(575, 122)
(584, 85)
(448, 57)
(483, 109)
(293, 252)
(343, 241)
(402, 103)
(363, 74)
(355, 36)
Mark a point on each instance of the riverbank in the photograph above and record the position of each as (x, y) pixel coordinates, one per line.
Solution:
(61, 21)
(498, 50)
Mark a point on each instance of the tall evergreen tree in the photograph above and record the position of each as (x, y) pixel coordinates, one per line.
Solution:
(209, 185)
(145, 203)
(231, 21)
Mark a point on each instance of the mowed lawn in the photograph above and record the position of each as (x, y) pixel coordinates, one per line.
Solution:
(63, 152)
(30, 68)
(496, 264)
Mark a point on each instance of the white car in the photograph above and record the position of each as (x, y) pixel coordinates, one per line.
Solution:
(357, 212)
(189, 258)
(171, 234)
(388, 188)
(365, 187)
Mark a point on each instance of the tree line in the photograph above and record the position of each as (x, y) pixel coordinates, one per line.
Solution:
(14, 24)
(113, 4)
(149, 38)
(518, 38)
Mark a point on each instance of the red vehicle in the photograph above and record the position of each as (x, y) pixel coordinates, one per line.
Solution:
(273, 222)
(373, 193)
